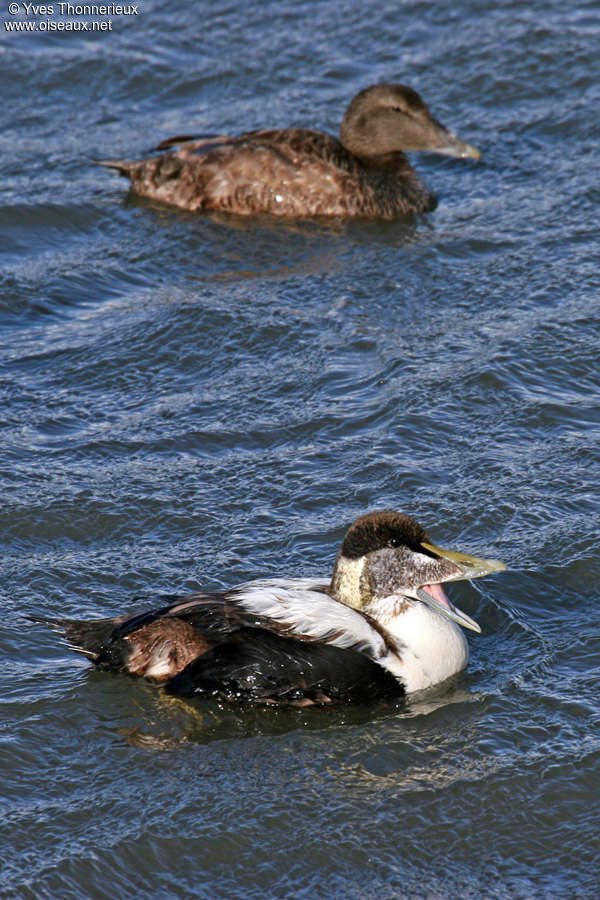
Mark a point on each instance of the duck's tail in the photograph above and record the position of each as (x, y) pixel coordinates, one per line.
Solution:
(122, 166)
(87, 637)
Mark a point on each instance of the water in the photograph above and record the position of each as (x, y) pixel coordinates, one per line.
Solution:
(194, 401)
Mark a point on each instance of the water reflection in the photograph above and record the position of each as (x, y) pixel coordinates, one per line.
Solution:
(164, 722)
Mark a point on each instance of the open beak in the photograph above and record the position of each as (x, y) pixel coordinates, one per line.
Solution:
(468, 567)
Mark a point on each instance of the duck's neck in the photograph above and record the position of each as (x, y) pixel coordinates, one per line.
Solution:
(346, 581)
(394, 163)
(425, 648)
(396, 185)
(352, 584)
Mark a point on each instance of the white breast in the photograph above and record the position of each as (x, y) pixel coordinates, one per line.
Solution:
(431, 648)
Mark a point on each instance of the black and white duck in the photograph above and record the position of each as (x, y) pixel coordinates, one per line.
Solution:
(382, 626)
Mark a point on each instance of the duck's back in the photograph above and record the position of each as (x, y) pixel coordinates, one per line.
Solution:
(288, 172)
(222, 645)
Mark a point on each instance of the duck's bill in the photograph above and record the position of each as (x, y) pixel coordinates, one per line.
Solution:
(468, 567)
(465, 568)
(434, 596)
(452, 145)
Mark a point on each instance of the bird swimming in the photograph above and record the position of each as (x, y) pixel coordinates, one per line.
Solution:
(381, 627)
(297, 172)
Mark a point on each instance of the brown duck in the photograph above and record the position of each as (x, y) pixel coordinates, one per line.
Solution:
(297, 172)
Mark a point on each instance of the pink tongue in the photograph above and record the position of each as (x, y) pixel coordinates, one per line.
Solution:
(437, 592)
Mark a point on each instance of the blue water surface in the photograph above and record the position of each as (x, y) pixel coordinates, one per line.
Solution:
(191, 401)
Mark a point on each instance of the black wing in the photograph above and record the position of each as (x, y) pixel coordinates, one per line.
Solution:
(259, 665)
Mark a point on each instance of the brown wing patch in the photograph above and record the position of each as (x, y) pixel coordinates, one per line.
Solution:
(164, 648)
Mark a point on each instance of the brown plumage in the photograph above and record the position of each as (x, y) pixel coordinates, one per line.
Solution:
(296, 172)
(382, 529)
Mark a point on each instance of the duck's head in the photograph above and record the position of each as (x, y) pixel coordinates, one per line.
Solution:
(386, 118)
(387, 563)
